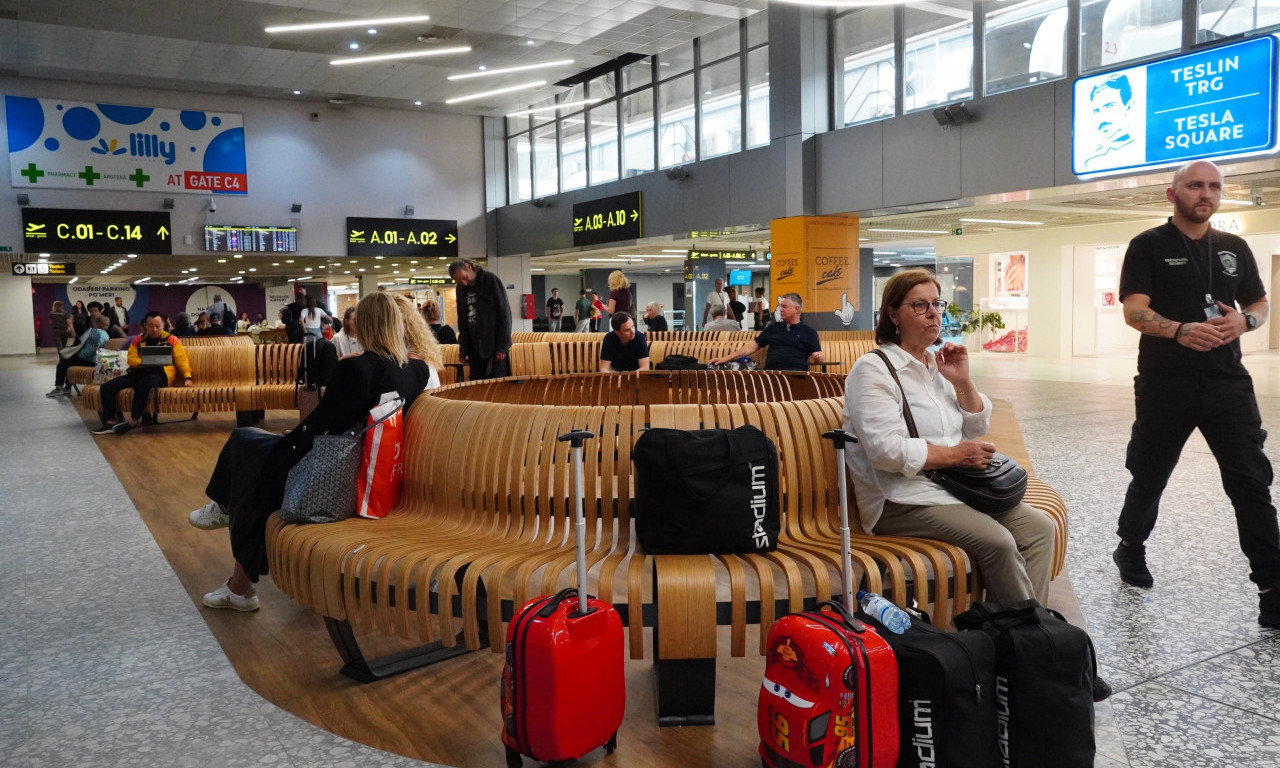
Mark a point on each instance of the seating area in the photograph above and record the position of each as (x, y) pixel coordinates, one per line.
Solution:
(482, 526)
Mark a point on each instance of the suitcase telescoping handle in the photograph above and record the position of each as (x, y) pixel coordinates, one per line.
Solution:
(576, 439)
(840, 439)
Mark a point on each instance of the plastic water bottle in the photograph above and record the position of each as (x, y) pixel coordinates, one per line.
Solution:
(891, 616)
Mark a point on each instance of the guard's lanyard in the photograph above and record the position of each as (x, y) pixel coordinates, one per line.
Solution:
(1187, 242)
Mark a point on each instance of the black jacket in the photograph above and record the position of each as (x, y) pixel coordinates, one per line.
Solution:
(484, 325)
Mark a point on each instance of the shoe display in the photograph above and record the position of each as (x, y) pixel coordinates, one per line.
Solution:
(107, 428)
(209, 517)
(1013, 341)
(223, 597)
(1269, 608)
(1132, 562)
(57, 392)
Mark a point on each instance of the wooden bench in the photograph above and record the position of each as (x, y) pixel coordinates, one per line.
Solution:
(82, 376)
(483, 525)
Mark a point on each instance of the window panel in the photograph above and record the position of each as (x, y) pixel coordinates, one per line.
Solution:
(677, 143)
(602, 87)
(1025, 43)
(939, 54)
(1223, 18)
(721, 102)
(546, 167)
(1115, 31)
(637, 133)
(675, 61)
(865, 73)
(758, 97)
(604, 142)
(757, 29)
(542, 118)
(573, 152)
(719, 44)
(519, 169)
(637, 75)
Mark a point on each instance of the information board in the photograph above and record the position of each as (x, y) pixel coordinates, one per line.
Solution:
(57, 230)
(694, 268)
(402, 237)
(45, 269)
(240, 239)
(1215, 103)
(608, 219)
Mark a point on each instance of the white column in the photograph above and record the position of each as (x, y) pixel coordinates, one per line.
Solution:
(17, 313)
(514, 273)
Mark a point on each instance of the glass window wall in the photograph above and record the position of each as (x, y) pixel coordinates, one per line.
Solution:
(1223, 18)
(719, 44)
(604, 142)
(637, 133)
(675, 61)
(1116, 31)
(546, 167)
(677, 139)
(938, 54)
(758, 97)
(721, 104)
(519, 170)
(637, 75)
(865, 75)
(573, 152)
(1024, 43)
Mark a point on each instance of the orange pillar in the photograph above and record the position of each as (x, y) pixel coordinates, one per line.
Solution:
(816, 257)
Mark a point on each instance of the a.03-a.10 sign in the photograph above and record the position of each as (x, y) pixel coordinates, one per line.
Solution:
(608, 220)
(402, 237)
(57, 230)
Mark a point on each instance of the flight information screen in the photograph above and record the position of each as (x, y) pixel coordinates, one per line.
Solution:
(251, 239)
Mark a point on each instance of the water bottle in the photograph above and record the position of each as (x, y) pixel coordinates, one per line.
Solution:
(891, 616)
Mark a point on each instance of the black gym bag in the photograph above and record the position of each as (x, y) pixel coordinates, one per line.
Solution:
(706, 491)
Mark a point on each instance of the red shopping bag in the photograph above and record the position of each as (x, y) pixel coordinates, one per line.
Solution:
(382, 465)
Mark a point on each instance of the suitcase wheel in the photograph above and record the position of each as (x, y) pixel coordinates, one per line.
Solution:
(848, 758)
(513, 758)
(611, 744)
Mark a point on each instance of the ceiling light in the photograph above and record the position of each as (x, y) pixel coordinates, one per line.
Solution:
(1005, 221)
(343, 24)
(296, 92)
(404, 55)
(72, 280)
(222, 261)
(529, 41)
(360, 269)
(508, 70)
(840, 3)
(624, 261)
(497, 91)
(237, 255)
(129, 255)
(288, 261)
(884, 253)
(675, 250)
(141, 280)
(253, 269)
(1236, 202)
(537, 269)
(565, 105)
(912, 231)
(417, 103)
(377, 257)
(353, 45)
(372, 31)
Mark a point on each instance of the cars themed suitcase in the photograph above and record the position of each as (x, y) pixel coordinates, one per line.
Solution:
(563, 684)
(830, 691)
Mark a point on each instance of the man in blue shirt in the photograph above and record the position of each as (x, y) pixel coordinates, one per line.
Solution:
(625, 349)
(791, 344)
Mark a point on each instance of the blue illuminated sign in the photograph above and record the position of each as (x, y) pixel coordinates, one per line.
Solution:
(1216, 103)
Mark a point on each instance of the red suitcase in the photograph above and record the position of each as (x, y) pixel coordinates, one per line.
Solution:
(563, 684)
(830, 690)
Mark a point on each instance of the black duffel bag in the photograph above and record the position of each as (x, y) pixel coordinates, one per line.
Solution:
(1045, 670)
(706, 491)
(679, 363)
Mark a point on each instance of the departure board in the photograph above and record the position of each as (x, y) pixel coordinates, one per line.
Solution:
(223, 237)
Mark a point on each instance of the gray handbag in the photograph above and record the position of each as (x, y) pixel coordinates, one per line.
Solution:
(321, 487)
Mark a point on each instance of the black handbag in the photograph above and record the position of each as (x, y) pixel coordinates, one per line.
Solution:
(995, 489)
(706, 491)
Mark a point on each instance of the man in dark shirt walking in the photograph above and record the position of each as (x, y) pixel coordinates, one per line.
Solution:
(484, 320)
(555, 311)
(1192, 292)
(792, 345)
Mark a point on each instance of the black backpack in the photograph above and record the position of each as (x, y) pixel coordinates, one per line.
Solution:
(946, 696)
(680, 363)
(706, 491)
(1045, 670)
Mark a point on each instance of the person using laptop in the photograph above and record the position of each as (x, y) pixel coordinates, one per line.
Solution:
(156, 359)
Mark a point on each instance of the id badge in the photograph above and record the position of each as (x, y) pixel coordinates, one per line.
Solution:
(1211, 308)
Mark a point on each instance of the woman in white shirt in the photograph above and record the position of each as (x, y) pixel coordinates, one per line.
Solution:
(1013, 550)
(345, 340)
(312, 316)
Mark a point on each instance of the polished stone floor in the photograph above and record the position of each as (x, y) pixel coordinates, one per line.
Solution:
(104, 660)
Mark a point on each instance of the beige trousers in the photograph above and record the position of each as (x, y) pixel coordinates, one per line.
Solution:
(1013, 551)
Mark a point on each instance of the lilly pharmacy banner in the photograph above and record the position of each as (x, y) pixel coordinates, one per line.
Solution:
(78, 145)
(1214, 103)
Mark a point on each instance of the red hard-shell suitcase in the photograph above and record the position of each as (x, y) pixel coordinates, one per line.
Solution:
(830, 694)
(830, 690)
(563, 684)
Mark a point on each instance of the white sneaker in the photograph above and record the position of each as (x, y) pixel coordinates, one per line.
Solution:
(223, 597)
(209, 517)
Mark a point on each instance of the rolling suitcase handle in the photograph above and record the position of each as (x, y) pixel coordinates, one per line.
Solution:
(576, 439)
(840, 439)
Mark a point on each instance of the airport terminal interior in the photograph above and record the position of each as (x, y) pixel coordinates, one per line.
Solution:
(166, 154)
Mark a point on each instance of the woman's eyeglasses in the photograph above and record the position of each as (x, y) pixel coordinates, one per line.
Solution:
(920, 307)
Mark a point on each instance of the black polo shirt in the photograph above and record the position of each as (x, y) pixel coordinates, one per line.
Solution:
(789, 346)
(1177, 272)
(624, 357)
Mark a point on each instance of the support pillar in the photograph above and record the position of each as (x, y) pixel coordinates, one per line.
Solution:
(817, 257)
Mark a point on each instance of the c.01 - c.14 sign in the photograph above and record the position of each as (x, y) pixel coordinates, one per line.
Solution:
(402, 237)
(58, 230)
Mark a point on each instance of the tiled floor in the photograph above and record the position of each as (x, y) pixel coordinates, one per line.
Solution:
(104, 660)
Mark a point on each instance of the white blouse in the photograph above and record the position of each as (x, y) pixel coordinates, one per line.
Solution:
(886, 461)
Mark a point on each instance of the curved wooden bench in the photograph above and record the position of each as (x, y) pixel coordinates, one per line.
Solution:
(483, 525)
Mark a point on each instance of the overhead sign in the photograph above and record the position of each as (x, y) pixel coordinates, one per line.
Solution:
(402, 237)
(430, 281)
(80, 145)
(1216, 103)
(608, 220)
(695, 264)
(45, 269)
(251, 239)
(57, 230)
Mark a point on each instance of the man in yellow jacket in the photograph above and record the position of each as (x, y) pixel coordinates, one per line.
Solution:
(147, 371)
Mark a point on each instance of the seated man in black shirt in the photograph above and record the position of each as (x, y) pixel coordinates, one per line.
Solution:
(625, 349)
(792, 345)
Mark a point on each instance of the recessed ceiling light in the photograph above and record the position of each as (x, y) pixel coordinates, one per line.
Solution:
(1005, 221)
(497, 91)
(508, 70)
(912, 231)
(253, 269)
(274, 263)
(222, 261)
(404, 55)
(372, 31)
(417, 103)
(353, 45)
(360, 269)
(237, 255)
(482, 68)
(288, 261)
(377, 257)
(296, 92)
(343, 24)
(529, 42)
